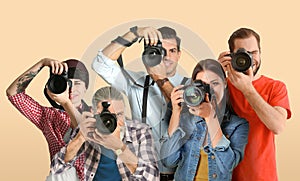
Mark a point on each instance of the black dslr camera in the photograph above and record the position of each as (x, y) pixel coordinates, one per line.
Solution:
(57, 84)
(194, 94)
(241, 60)
(153, 55)
(106, 122)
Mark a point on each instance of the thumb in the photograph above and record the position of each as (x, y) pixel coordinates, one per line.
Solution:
(207, 97)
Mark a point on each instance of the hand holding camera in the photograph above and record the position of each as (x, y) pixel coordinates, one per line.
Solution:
(204, 110)
(177, 98)
(58, 79)
(151, 35)
(195, 93)
(87, 125)
(241, 60)
(153, 54)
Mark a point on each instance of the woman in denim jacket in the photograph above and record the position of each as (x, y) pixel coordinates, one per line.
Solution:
(205, 142)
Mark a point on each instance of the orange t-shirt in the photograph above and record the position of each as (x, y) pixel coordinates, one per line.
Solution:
(259, 162)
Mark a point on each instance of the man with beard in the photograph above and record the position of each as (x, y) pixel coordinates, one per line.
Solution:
(260, 100)
(150, 110)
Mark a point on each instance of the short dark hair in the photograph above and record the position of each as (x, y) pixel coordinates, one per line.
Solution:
(242, 33)
(170, 33)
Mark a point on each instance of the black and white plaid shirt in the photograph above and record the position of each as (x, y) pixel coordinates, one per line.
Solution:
(138, 138)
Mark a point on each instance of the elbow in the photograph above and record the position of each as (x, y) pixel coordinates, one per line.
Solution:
(279, 128)
(277, 131)
(9, 91)
(168, 163)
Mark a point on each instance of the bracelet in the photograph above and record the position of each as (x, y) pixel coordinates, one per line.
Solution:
(120, 40)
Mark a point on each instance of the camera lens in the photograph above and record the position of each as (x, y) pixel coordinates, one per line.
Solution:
(57, 84)
(241, 60)
(152, 56)
(106, 123)
(193, 96)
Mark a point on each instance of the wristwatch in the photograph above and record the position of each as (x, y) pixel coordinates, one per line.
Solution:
(161, 82)
(120, 150)
(134, 31)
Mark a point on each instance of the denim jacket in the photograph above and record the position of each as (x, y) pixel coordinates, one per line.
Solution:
(182, 149)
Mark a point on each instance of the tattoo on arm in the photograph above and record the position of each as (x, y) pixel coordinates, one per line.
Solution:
(24, 81)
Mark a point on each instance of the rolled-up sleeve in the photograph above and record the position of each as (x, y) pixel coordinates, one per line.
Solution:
(147, 168)
(230, 151)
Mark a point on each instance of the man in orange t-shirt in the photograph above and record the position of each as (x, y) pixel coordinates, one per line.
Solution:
(262, 101)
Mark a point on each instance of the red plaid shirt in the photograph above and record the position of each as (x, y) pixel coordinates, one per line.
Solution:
(54, 124)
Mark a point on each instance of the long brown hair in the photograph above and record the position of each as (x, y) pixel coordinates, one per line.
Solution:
(215, 66)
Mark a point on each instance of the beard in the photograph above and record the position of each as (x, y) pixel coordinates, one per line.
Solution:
(258, 66)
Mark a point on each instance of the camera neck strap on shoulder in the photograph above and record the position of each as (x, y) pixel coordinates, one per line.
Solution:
(184, 80)
(145, 98)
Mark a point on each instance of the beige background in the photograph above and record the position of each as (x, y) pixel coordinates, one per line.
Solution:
(31, 30)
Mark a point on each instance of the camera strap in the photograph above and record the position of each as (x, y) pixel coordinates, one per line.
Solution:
(126, 74)
(52, 102)
(146, 86)
(184, 80)
(145, 97)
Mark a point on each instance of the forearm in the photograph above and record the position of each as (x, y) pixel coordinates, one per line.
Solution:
(74, 114)
(174, 122)
(214, 130)
(130, 160)
(73, 147)
(273, 117)
(143, 167)
(114, 50)
(21, 83)
(167, 90)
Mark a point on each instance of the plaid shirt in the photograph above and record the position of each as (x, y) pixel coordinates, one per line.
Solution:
(54, 124)
(139, 140)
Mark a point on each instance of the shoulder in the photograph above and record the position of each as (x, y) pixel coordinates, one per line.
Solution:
(270, 82)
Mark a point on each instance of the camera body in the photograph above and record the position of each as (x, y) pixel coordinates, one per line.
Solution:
(57, 84)
(106, 122)
(153, 55)
(194, 94)
(241, 60)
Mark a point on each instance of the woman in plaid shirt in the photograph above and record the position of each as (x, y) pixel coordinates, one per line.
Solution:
(126, 154)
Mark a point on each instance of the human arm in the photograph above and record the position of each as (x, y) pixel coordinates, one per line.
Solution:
(86, 127)
(229, 152)
(31, 109)
(207, 110)
(273, 116)
(70, 155)
(21, 83)
(137, 156)
(158, 74)
(176, 99)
